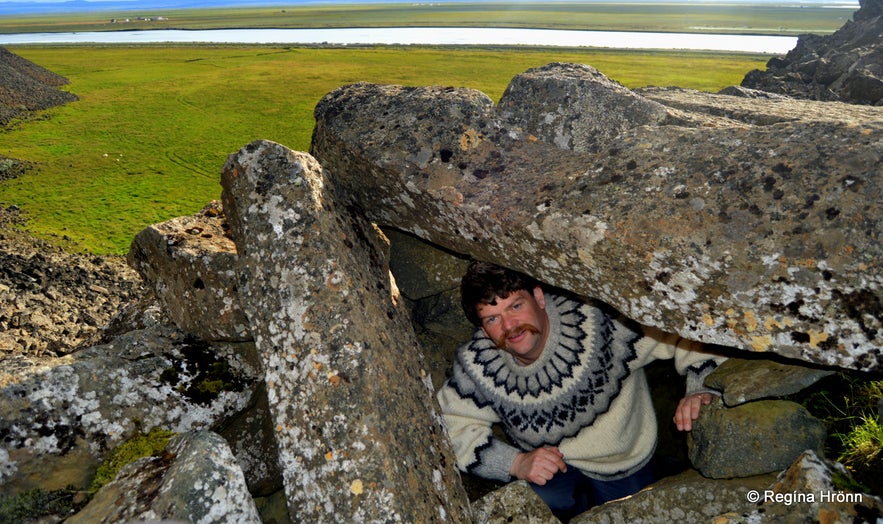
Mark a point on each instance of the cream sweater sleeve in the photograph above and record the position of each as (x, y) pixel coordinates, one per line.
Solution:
(470, 429)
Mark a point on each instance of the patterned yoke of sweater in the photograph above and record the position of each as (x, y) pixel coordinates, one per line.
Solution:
(586, 393)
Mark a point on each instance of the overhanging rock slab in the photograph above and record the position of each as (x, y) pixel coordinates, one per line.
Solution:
(763, 237)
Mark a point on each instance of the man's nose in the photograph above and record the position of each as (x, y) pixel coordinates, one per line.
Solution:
(508, 322)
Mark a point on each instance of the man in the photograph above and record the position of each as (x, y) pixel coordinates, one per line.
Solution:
(563, 379)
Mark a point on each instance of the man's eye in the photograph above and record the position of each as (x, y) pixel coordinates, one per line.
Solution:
(517, 305)
(489, 320)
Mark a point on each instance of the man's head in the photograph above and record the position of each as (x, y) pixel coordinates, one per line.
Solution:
(508, 306)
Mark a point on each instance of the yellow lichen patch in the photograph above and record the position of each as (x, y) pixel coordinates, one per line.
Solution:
(356, 487)
(329, 455)
(333, 378)
(750, 321)
(709, 321)
(469, 139)
(761, 343)
(772, 323)
(815, 337)
(806, 262)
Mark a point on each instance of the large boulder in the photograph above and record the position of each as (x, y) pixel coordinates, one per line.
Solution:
(195, 479)
(190, 264)
(759, 236)
(812, 489)
(846, 66)
(59, 419)
(358, 432)
(753, 438)
(686, 498)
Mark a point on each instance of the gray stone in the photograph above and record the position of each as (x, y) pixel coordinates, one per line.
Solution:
(760, 237)
(196, 479)
(60, 418)
(514, 503)
(752, 439)
(429, 280)
(744, 380)
(686, 498)
(810, 490)
(359, 435)
(575, 108)
(722, 109)
(190, 264)
(253, 440)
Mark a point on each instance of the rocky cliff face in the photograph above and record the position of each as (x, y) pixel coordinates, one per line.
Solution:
(846, 66)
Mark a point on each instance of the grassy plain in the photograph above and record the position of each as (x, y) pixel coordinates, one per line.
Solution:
(148, 138)
(692, 17)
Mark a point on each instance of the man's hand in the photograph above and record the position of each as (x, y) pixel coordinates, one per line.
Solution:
(538, 466)
(688, 409)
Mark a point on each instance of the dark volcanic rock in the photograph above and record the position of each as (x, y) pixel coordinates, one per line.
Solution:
(846, 66)
(53, 302)
(27, 87)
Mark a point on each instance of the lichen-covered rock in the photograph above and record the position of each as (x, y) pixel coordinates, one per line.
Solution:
(812, 489)
(196, 479)
(190, 264)
(752, 439)
(574, 106)
(687, 498)
(428, 278)
(59, 419)
(756, 236)
(743, 380)
(514, 502)
(252, 437)
(359, 436)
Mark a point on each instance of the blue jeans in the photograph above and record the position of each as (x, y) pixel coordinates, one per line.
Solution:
(570, 493)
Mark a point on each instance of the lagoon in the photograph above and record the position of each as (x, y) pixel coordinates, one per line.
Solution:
(425, 36)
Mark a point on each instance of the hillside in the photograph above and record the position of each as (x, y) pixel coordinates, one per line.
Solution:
(51, 302)
(26, 87)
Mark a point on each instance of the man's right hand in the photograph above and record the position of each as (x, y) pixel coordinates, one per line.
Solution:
(538, 466)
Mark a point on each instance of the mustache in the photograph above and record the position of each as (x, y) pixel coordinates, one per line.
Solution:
(501, 340)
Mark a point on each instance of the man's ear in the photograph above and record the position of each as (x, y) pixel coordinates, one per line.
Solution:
(539, 296)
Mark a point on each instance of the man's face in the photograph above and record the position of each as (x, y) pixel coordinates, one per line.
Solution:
(517, 324)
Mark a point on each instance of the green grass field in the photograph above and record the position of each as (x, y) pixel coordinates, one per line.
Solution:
(148, 138)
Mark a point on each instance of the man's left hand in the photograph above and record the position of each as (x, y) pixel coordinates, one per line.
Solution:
(688, 409)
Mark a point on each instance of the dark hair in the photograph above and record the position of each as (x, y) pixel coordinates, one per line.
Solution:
(484, 282)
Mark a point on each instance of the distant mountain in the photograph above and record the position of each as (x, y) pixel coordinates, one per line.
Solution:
(16, 7)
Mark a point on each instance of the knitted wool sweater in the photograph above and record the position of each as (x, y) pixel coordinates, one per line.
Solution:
(586, 393)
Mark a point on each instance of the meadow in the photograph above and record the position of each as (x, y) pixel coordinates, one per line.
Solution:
(148, 138)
